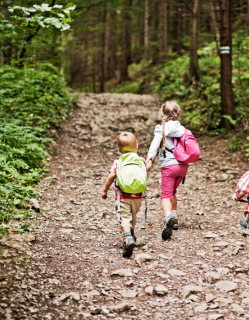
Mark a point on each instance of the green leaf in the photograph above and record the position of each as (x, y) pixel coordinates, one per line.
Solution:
(231, 120)
(17, 201)
(70, 6)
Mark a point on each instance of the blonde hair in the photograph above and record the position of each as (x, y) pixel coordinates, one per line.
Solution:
(127, 142)
(170, 110)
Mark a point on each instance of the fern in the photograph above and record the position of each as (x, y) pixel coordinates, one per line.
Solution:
(31, 102)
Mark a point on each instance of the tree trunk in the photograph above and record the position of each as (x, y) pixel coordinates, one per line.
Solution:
(129, 23)
(110, 46)
(155, 48)
(125, 42)
(227, 96)
(214, 25)
(164, 29)
(177, 29)
(93, 73)
(248, 17)
(194, 66)
(102, 51)
(141, 25)
(165, 33)
(146, 29)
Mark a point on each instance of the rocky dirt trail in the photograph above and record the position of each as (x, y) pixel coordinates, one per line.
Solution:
(72, 266)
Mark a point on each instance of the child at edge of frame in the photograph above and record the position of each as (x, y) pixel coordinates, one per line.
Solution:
(130, 203)
(242, 191)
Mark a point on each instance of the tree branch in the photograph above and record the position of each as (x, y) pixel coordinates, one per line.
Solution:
(89, 7)
(188, 6)
(28, 40)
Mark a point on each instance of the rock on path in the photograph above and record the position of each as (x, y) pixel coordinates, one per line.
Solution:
(71, 266)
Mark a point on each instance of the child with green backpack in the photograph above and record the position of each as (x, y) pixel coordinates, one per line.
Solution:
(130, 173)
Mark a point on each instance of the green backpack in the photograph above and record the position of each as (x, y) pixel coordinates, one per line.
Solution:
(131, 177)
(131, 173)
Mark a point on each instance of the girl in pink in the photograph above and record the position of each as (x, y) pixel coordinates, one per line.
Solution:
(172, 170)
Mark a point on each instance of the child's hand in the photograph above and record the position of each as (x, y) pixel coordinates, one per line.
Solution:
(148, 164)
(234, 197)
(104, 194)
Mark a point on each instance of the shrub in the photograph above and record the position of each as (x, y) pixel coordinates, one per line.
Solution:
(32, 103)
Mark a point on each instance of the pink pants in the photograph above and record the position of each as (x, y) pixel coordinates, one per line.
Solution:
(171, 177)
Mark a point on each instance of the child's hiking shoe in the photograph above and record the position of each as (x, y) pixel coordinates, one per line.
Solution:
(133, 236)
(175, 226)
(129, 245)
(243, 223)
(169, 222)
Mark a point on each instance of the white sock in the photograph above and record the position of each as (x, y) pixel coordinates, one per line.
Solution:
(174, 213)
(167, 214)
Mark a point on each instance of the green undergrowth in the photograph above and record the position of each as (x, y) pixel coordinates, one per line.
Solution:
(201, 102)
(33, 103)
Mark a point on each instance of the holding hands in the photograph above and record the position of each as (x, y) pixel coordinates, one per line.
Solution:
(148, 164)
(235, 197)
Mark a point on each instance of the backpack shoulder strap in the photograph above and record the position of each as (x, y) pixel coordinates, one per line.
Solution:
(119, 210)
(170, 150)
(146, 208)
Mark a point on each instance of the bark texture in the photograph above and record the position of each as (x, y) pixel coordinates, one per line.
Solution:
(194, 66)
(248, 17)
(110, 46)
(146, 29)
(227, 96)
(177, 29)
(164, 29)
(102, 51)
(214, 25)
(125, 43)
(155, 29)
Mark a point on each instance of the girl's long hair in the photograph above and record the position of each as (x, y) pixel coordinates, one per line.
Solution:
(170, 110)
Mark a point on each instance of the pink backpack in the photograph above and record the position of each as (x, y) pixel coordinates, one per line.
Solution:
(186, 148)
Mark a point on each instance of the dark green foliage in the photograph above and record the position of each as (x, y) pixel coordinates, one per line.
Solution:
(200, 101)
(32, 103)
(234, 144)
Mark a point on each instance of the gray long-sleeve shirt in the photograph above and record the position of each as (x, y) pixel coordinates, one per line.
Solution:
(172, 129)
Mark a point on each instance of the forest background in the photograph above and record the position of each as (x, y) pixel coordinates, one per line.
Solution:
(193, 51)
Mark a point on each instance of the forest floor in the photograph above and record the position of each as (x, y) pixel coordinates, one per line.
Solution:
(72, 266)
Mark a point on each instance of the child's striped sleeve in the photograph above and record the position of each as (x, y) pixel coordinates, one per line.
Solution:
(243, 187)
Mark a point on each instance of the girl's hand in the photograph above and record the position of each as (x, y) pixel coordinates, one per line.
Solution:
(148, 164)
(234, 197)
(104, 194)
